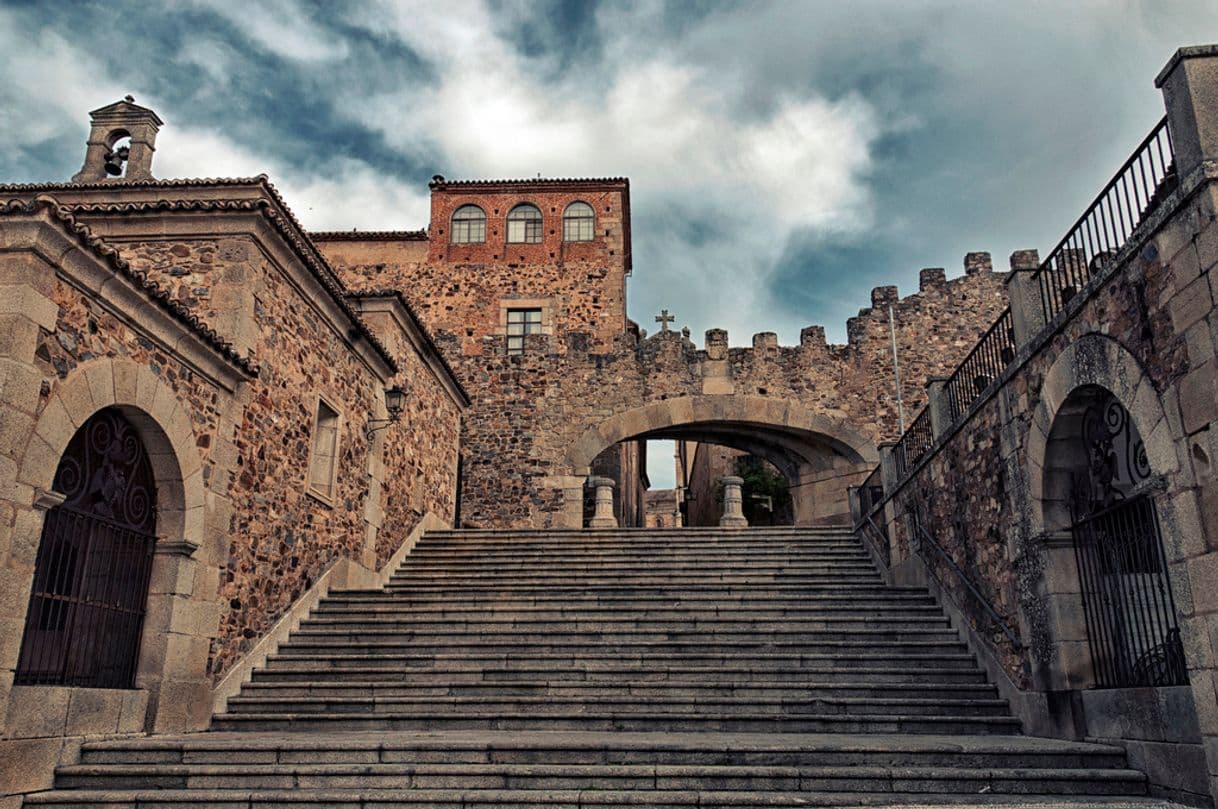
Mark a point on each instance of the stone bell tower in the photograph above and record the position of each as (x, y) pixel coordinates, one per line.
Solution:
(121, 143)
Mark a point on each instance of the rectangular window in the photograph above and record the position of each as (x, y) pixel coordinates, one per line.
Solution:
(524, 231)
(469, 231)
(324, 463)
(519, 323)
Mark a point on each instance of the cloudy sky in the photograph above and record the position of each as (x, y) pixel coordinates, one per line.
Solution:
(784, 157)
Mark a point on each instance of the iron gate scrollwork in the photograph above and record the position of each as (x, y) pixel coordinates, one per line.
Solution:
(91, 574)
(1130, 612)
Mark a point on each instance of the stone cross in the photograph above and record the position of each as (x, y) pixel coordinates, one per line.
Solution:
(664, 319)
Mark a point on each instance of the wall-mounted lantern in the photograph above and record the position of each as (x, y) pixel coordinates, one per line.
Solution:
(395, 400)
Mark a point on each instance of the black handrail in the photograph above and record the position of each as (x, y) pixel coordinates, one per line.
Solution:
(1107, 224)
(995, 616)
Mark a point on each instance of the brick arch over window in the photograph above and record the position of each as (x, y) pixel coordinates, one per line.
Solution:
(164, 428)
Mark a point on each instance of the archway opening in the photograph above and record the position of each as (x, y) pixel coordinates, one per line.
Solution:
(1097, 494)
(86, 611)
(792, 476)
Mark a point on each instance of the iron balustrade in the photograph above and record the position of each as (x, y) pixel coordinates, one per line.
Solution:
(994, 352)
(86, 610)
(916, 442)
(1106, 226)
(870, 492)
(1132, 628)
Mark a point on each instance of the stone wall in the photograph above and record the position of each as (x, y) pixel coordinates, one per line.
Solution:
(993, 491)
(588, 366)
(141, 322)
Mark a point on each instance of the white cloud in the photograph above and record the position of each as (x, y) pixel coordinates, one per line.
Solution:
(675, 129)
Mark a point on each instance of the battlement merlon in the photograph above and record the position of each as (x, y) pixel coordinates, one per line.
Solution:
(978, 284)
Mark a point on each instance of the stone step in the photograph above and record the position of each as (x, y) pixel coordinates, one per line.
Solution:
(762, 689)
(658, 659)
(585, 718)
(705, 568)
(443, 599)
(581, 632)
(383, 623)
(646, 574)
(625, 673)
(624, 648)
(546, 747)
(460, 591)
(636, 778)
(675, 702)
(328, 613)
(560, 799)
(455, 555)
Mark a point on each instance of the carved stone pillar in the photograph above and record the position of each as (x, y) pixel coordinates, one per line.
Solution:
(603, 516)
(733, 503)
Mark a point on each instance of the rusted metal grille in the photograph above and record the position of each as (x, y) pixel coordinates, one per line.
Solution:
(1127, 598)
(1106, 226)
(91, 573)
(983, 365)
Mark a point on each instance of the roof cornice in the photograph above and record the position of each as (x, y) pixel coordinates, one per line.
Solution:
(98, 247)
(284, 224)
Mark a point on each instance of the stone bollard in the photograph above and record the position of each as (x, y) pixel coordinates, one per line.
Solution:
(603, 516)
(733, 504)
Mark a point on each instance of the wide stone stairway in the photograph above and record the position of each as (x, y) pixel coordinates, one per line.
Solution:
(768, 667)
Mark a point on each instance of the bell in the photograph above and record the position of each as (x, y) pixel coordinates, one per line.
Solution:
(115, 160)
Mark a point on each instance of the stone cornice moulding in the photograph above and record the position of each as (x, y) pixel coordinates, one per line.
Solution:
(395, 306)
(94, 268)
(257, 220)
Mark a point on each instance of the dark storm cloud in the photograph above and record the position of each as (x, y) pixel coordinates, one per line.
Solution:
(784, 158)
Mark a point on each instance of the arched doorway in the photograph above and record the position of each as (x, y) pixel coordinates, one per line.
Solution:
(91, 573)
(819, 456)
(1097, 491)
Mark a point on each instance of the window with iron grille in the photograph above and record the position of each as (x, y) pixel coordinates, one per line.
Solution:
(469, 225)
(578, 222)
(524, 224)
(519, 323)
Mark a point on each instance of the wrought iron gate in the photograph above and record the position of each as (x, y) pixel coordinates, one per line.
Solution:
(1132, 628)
(91, 574)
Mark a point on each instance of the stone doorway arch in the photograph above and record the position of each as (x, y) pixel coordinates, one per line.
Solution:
(171, 689)
(821, 455)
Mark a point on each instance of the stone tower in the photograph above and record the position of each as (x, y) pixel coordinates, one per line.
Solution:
(121, 142)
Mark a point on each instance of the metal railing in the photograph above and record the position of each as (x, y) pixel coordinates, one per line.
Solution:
(982, 367)
(1100, 233)
(1127, 597)
(870, 492)
(87, 605)
(922, 538)
(916, 442)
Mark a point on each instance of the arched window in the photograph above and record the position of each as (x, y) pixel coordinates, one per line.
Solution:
(524, 224)
(469, 225)
(86, 611)
(578, 222)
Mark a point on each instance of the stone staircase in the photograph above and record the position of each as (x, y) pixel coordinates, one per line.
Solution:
(584, 669)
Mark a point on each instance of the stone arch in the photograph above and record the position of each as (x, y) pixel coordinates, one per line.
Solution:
(816, 452)
(164, 427)
(759, 412)
(1100, 361)
(1082, 375)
